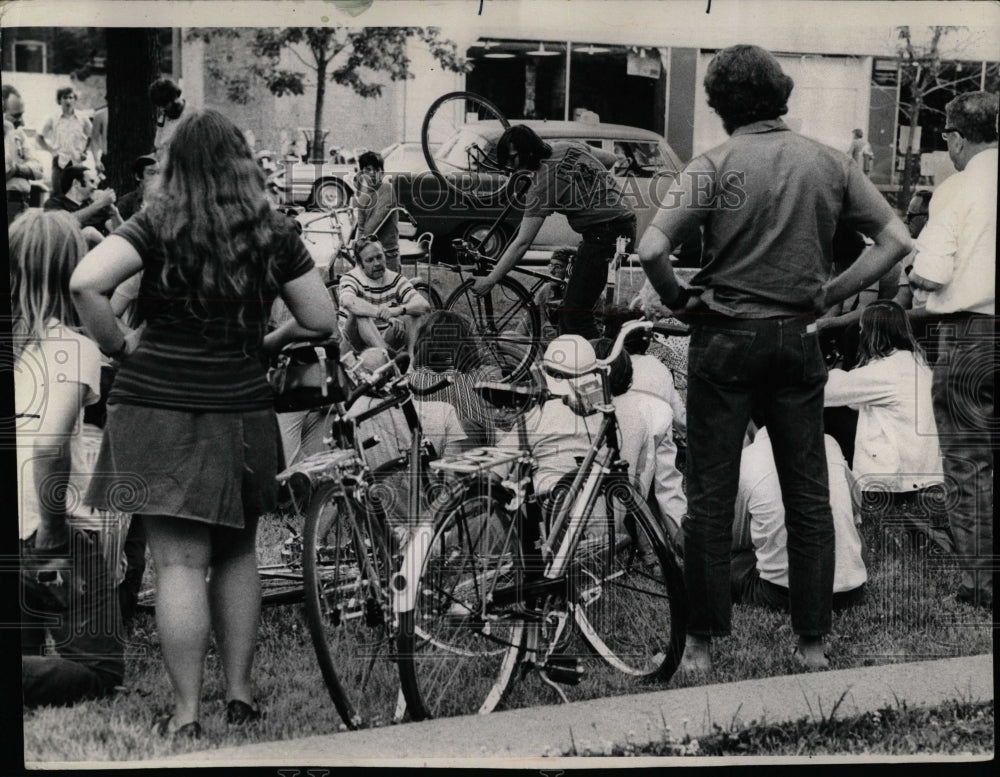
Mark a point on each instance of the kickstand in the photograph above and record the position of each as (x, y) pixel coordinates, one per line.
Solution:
(552, 684)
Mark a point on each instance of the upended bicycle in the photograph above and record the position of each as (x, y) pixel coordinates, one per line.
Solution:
(496, 582)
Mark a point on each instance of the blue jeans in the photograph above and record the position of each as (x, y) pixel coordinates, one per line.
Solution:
(776, 367)
(589, 277)
(963, 392)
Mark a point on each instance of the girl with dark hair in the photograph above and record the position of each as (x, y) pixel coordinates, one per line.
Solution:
(565, 177)
(896, 445)
(191, 427)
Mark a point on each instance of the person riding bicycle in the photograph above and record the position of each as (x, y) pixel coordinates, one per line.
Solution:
(379, 307)
(376, 201)
(566, 177)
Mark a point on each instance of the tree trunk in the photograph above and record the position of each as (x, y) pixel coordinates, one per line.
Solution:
(318, 145)
(133, 63)
(906, 187)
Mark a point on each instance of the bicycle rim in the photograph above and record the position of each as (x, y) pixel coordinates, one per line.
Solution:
(457, 653)
(507, 324)
(347, 560)
(471, 170)
(628, 591)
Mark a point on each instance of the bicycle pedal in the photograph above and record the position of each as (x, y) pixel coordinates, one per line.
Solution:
(565, 670)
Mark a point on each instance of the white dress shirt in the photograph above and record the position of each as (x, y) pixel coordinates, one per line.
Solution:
(958, 247)
(760, 511)
(896, 446)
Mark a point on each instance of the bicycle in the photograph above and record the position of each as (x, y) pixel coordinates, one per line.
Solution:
(491, 582)
(352, 542)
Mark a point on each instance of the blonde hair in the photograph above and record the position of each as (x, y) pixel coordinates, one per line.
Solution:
(45, 248)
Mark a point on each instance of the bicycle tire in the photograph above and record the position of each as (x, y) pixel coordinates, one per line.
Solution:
(451, 660)
(429, 293)
(278, 586)
(509, 331)
(442, 120)
(628, 598)
(347, 559)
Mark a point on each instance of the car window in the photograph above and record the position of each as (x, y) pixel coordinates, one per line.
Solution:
(464, 150)
(641, 158)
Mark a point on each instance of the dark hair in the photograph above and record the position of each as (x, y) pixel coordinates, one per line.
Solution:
(69, 175)
(974, 114)
(371, 159)
(885, 328)
(141, 163)
(620, 377)
(446, 340)
(924, 196)
(745, 84)
(60, 93)
(530, 148)
(9, 90)
(564, 254)
(163, 91)
(636, 343)
(214, 224)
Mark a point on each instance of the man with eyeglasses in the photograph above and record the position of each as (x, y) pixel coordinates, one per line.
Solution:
(21, 165)
(378, 306)
(956, 264)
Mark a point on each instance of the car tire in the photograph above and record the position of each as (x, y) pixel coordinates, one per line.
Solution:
(330, 194)
(477, 231)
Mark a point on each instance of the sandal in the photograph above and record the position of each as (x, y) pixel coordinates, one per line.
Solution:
(190, 730)
(239, 712)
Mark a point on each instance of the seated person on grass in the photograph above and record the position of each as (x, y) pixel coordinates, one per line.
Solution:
(379, 307)
(94, 209)
(759, 566)
(549, 298)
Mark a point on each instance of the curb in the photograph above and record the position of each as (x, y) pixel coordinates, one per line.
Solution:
(528, 734)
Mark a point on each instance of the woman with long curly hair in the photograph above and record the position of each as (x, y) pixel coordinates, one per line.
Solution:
(191, 433)
(896, 445)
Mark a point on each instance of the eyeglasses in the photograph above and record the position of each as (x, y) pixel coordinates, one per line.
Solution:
(948, 130)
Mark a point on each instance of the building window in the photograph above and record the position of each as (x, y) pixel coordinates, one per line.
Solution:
(29, 56)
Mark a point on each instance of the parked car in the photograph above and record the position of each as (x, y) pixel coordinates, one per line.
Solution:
(641, 160)
(331, 185)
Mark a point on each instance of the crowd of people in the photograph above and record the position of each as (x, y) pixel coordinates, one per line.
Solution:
(166, 306)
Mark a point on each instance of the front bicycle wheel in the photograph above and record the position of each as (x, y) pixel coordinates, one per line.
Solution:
(628, 591)
(347, 560)
(457, 648)
(507, 323)
(459, 137)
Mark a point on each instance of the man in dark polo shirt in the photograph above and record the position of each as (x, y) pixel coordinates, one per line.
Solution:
(94, 208)
(768, 202)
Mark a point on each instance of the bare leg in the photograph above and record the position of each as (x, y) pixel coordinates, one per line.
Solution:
(234, 592)
(697, 655)
(181, 551)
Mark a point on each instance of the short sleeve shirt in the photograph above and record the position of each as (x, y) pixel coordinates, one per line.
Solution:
(768, 202)
(572, 181)
(69, 136)
(204, 362)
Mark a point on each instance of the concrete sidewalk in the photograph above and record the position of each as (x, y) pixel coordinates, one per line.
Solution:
(527, 734)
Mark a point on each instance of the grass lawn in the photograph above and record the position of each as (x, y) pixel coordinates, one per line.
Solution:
(910, 614)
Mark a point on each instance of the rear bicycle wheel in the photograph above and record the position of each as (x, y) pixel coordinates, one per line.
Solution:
(628, 591)
(347, 560)
(429, 293)
(457, 650)
(507, 322)
(465, 161)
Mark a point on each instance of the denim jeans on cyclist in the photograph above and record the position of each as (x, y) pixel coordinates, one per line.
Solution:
(590, 275)
(776, 366)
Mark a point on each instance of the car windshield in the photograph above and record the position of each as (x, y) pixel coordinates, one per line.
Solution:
(641, 158)
(466, 149)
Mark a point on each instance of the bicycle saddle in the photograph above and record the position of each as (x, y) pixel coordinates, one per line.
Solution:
(509, 396)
